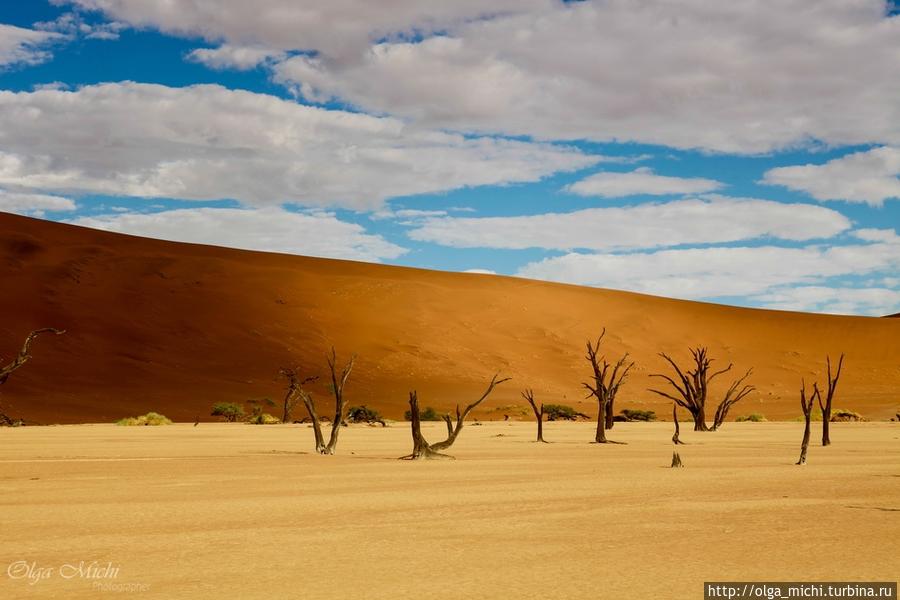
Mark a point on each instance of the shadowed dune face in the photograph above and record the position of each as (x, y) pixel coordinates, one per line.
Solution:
(174, 328)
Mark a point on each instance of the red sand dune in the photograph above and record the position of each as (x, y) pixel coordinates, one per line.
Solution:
(170, 327)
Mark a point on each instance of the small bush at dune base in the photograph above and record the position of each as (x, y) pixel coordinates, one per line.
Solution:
(257, 416)
(816, 416)
(263, 419)
(561, 412)
(752, 417)
(638, 415)
(842, 414)
(229, 411)
(364, 414)
(151, 418)
(428, 414)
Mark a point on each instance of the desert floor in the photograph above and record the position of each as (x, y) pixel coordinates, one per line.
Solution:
(239, 511)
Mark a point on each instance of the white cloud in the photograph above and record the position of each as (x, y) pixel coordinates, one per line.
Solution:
(24, 46)
(876, 235)
(206, 142)
(638, 182)
(706, 220)
(406, 213)
(268, 229)
(226, 56)
(72, 25)
(337, 27)
(33, 204)
(480, 271)
(52, 85)
(746, 77)
(743, 77)
(872, 177)
(718, 272)
(835, 300)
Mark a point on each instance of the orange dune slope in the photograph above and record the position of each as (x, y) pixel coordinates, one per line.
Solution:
(155, 325)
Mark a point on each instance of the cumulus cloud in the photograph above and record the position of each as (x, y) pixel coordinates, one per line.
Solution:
(337, 27)
(33, 204)
(706, 220)
(206, 142)
(697, 273)
(226, 56)
(872, 176)
(742, 77)
(875, 301)
(409, 214)
(73, 24)
(638, 182)
(268, 229)
(19, 46)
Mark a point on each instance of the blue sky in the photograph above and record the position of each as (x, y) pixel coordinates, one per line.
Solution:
(692, 150)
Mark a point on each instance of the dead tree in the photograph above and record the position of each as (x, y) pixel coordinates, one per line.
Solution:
(676, 458)
(675, 438)
(692, 386)
(733, 395)
(421, 448)
(294, 393)
(340, 404)
(23, 357)
(806, 407)
(538, 414)
(829, 397)
(310, 405)
(608, 379)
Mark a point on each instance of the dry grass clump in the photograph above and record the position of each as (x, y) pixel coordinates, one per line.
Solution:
(842, 414)
(151, 418)
(752, 418)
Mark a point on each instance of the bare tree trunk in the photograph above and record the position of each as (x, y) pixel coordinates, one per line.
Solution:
(432, 450)
(676, 459)
(24, 356)
(600, 438)
(21, 358)
(314, 417)
(700, 420)
(340, 404)
(421, 449)
(692, 386)
(293, 392)
(538, 414)
(610, 413)
(732, 396)
(829, 397)
(675, 439)
(449, 423)
(608, 379)
(804, 445)
(806, 407)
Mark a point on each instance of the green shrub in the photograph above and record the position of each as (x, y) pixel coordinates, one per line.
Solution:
(752, 417)
(429, 414)
(258, 417)
(638, 415)
(363, 414)
(230, 411)
(151, 418)
(561, 412)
